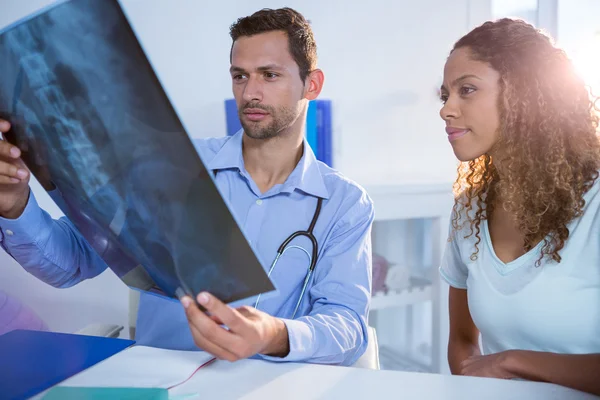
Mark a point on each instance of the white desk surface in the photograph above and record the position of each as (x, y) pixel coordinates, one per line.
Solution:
(254, 379)
(141, 366)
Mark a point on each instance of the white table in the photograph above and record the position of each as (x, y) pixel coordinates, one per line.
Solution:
(253, 379)
(141, 366)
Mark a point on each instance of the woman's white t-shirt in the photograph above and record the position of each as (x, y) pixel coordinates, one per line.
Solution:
(554, 307)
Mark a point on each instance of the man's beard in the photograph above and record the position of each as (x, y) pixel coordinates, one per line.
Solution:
(280, 119)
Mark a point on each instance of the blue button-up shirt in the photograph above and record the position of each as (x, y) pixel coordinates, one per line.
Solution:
(330, 325)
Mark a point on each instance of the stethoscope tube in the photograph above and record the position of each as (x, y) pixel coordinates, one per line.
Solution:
(309, 234)
(313, 260)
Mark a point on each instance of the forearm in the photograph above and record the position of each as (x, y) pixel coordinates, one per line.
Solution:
(460, 350)
(333, 336)
(280, 344)
(577, 371)
(52, 250)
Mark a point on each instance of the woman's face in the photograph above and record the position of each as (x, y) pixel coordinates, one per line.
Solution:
(470, 95)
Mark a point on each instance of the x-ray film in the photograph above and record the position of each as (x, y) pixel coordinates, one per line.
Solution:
(98, 131)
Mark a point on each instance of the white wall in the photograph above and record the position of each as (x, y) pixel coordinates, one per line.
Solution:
(383, 62)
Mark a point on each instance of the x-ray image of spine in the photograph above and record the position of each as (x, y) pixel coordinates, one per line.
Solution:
(101, 130)
(51, 96)
(69, 114)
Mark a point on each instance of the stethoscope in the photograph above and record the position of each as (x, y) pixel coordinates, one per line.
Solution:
(313, 259)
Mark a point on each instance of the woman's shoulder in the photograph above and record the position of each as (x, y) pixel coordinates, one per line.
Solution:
(465, 233)
(591, 209)
(465, 209)
(594, 192)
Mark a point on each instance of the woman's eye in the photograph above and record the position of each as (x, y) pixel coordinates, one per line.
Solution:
(465, 90)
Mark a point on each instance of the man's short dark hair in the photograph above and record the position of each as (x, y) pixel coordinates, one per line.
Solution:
(301, 40)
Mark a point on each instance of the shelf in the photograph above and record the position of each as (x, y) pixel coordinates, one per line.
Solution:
(393, 202)
(419, 291)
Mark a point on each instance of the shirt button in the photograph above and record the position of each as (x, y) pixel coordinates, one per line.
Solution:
(259, 202)
(9, 232)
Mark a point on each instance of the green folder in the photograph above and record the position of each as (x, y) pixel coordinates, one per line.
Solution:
(105, 393)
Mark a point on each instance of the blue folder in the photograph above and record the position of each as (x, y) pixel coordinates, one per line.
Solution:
(311, 127)
(324, 131)
(232, 119)
(33, 361)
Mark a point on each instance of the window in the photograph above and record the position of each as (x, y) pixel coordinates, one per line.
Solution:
(523, 9)
(579, 34)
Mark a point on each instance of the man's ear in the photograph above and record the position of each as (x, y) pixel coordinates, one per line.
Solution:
(314, 84)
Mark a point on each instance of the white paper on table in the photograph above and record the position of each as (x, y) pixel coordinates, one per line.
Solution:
(141, 366)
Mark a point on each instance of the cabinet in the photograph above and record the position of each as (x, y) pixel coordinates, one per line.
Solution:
(410, 232)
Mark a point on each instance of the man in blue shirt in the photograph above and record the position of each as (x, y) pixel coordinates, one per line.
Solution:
(272, 181)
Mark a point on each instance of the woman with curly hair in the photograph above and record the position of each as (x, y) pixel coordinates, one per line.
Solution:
(523, 255)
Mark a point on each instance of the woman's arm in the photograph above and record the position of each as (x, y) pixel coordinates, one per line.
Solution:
(577, 371)
(464, 335)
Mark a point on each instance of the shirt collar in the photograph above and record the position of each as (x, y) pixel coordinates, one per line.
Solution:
(305, 177)
(230, 155)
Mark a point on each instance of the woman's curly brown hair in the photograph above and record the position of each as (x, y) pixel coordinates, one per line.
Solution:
(548, 138)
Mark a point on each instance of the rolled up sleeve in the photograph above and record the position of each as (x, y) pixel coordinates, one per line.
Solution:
(52, 250)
